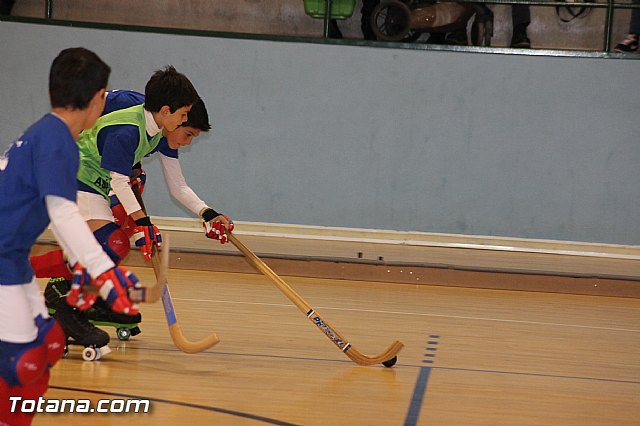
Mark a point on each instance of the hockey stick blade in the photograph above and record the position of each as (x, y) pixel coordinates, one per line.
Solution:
(175, 331)
(388, 358)
(162, 289)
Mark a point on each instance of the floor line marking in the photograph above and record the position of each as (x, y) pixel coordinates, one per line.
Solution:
(350, 363)
(230, 412)
(420, 388)
(418, 395)
(376, 311)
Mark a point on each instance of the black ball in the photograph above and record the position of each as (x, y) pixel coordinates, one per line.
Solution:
(390, 362)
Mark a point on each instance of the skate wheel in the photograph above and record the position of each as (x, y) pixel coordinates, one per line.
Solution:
(123, 333)
(90, 354)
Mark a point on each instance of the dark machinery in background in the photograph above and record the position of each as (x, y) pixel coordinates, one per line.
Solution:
(407, 20)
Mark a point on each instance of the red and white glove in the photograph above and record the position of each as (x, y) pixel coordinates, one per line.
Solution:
(78, 296)
(216, 225)
(146, 235)
(114, 286)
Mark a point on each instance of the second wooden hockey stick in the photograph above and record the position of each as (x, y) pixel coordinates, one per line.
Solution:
(179, 340)
(175, 331)
(160, 268)
(388, 358)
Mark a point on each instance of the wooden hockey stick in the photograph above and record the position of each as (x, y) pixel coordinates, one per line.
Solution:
(388, 358)
(175, 331)
(160, 268)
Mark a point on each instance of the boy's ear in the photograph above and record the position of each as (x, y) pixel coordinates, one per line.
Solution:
(99, 99)
(95, 108)
(165, 110)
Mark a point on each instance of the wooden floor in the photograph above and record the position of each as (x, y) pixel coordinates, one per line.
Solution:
(472, 357)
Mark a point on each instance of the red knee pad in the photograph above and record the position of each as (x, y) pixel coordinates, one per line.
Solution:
(53, 338)
(119, 243)
(22, 364)
(114, 242)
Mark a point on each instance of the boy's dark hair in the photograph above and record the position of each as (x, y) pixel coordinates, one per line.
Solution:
(198, 118)
(76, 75)
(168, 87)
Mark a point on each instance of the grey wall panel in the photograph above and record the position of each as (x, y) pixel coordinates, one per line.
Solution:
(453, 142)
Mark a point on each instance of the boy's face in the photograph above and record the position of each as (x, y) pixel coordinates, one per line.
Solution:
(171, 121)
(182, 136)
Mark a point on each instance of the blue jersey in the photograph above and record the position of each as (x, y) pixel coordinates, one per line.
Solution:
(121, 99)
(44, 161)
(117, 144)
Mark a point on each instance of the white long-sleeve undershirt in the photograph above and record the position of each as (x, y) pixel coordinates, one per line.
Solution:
(121, 187)
(75, 237)
(175, 181)
(178, 187)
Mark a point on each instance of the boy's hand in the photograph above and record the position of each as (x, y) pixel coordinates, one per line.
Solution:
(216, 225)
(114, 286)
(146, 235)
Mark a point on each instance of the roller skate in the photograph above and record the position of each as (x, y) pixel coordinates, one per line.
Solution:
(74, 323)
(125, 325)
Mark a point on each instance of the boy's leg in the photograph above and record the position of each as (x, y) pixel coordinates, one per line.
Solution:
(32, 392)
(51, 264)
(28, 348)
(116, 244)
(75, 323)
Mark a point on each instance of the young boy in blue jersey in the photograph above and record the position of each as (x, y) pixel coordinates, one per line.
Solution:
(127, 132)
(37, 187)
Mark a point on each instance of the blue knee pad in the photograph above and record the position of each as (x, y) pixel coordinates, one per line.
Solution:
(113, 241)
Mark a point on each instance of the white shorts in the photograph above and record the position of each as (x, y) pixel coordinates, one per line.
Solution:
(94, 206)
(19, 305)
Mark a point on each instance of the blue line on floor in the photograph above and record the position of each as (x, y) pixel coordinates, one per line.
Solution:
(420, 389)
(418, 396)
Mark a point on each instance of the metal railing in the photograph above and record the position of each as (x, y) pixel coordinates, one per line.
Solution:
(610, 5)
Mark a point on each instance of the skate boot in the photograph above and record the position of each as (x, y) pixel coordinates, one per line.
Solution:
(74, 323)
(125, 325)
